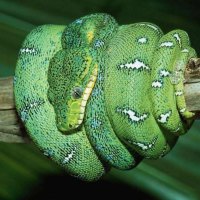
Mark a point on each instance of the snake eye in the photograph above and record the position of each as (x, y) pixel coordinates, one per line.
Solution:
(77, 92)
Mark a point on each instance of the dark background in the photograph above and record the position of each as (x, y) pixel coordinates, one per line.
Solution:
(26, 174)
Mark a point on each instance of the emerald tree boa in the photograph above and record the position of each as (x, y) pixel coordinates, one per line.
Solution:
(94, 95)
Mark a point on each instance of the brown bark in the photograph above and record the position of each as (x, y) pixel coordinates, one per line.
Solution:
(11, 129)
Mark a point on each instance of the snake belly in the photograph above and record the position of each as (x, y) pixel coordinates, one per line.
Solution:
(94, 95)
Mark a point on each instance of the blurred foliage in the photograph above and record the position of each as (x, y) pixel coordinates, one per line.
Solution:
(26, 174)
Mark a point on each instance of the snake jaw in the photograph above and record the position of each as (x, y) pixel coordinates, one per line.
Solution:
(86, 95)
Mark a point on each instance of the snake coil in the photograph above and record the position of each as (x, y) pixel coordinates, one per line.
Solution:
(94, 95)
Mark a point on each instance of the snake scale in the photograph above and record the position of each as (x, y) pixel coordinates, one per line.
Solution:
(94, 95)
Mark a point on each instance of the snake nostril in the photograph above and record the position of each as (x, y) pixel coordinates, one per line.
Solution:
(70, 126)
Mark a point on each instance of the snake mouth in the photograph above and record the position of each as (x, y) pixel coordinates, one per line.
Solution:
(85, 97)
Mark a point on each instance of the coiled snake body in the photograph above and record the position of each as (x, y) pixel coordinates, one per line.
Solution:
(94, 95)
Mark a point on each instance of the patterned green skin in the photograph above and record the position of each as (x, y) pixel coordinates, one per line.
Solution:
(135, 107)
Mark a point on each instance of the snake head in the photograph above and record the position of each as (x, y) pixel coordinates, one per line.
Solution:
(71, 76)
(73, 70)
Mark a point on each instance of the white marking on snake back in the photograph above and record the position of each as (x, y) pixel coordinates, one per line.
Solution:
(28, 50)
(177, 37)
(137, 64)
(153, 27)
(163, 118)
(179, 93)
(69, 157)
(185, 51)
(166, 44)
(150, 26)
(164, 73)
(132, 115)
(142, 40)
(142, 146)
(156, 84)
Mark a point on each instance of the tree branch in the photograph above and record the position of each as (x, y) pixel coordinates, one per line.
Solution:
(12, 130)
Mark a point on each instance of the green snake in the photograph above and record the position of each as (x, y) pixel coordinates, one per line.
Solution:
(94, 95)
